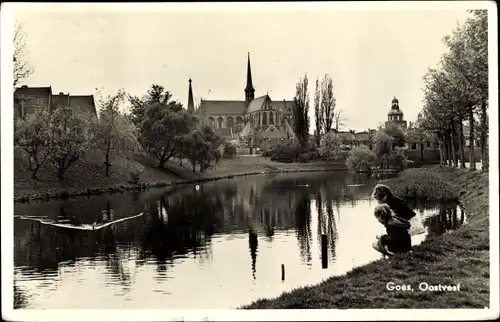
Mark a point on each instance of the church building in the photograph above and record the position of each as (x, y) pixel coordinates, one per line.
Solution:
(252, 121)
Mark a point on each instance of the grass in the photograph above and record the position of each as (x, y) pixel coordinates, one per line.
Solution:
(461, 257)
(87, 177)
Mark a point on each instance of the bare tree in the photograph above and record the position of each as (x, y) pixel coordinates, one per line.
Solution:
(339, 120)
(22, 70)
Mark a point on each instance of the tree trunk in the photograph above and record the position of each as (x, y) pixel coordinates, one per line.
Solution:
(421, 149)
(472, 159)
(442, 156)
(462, 142)
(107, 164)
(484, 137)
(452, 144)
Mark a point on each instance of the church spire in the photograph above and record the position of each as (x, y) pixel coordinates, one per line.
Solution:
(190, 106)
(249, 90)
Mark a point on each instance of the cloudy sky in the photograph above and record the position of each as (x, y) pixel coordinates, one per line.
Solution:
(371, 55)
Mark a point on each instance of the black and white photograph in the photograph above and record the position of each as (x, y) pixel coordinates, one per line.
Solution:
(249, 161)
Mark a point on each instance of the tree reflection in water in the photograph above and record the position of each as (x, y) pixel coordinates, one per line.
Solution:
(183, 223)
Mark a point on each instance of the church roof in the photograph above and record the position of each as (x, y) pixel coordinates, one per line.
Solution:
(256, 104)
(284, 106)
(223, 107)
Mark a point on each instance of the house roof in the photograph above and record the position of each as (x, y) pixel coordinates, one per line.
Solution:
(33, 96)
(362, 136)
(223, 107)
(84, 103)
(61, 99)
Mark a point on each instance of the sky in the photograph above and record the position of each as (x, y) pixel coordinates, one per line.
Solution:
(371, 55)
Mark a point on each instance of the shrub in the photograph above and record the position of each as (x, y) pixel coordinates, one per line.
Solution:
(286, 152)
(422, 184)
(304, 158)
(329, 147)
(230, 150)
(360, 159)
(268, 153)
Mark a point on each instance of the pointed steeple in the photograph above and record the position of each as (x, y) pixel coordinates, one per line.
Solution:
(249, 90)
(190, 106)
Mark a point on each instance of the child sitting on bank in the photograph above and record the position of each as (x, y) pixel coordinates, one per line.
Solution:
(397, 239)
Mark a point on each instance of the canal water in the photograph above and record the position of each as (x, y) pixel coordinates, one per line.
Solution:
(219, 244)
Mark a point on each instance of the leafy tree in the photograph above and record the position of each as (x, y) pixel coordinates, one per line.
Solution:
(301, 111)
(32, 136)
(360, 159)
(155, 94)
(22, 70)
(329, 148)
(328, 103)
(383, 143)
(397, 133)
(69, 136)
(162, 127)
(203, 147)
(113, 133)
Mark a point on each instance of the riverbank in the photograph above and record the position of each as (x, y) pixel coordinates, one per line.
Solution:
(460, 257)
(88, 178)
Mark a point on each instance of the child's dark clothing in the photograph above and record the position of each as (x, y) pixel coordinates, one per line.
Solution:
(400, 207)
(398, 238)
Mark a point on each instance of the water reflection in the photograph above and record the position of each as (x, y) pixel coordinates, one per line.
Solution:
(201, 248)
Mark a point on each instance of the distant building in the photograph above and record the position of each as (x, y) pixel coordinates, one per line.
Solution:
(395, 115)
(254, 120)
(29, 99)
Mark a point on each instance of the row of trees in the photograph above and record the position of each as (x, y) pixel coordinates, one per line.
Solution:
(157, 127)
(456, 92)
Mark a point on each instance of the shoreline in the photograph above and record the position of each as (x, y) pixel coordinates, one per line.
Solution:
(459, 257)
(123, 188)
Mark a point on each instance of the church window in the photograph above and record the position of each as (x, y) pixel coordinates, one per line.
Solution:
(271, 118)
(220, 122)
(230, 122)
(264, 118)
(211, 121)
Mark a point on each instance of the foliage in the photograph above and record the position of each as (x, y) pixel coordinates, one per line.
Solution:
(328, 103)
(318, 116)
(202, 147)
(32, 136)
(22, 70)
(69, 136)
(301, 111)
(230, 149)
(329, 148)
(287, 152)
(383, 143)
(113, 133)
(162, 128)
(399, 136)
(457, 90)
(155, 94)
(422, 184)
(360, 159)
(395, 160)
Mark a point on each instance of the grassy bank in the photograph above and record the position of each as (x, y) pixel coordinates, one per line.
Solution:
(88, 178)
(458, 257)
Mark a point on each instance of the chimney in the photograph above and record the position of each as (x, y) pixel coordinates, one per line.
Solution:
(24, 86)
(61, 93)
